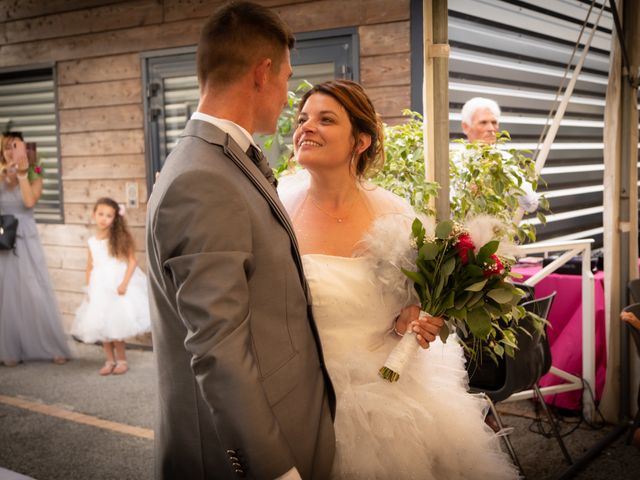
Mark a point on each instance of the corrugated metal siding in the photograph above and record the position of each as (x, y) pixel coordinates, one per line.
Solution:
(515, 53)
(27, 100)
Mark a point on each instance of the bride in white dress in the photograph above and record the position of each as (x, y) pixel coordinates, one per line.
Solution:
(425, 426)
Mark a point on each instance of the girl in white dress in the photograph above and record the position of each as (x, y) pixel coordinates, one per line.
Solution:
(116, 306)
(425, 426)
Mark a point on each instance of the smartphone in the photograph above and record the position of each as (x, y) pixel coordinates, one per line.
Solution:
(32, 153)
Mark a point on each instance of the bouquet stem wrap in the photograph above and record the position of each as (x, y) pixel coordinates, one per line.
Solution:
(401, 355)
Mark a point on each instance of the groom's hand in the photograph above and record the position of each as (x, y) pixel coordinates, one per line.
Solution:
(426, 328)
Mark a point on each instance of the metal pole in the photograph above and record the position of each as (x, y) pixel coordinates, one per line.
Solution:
(628, 199)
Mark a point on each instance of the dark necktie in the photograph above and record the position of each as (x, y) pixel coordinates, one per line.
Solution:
(261, 162)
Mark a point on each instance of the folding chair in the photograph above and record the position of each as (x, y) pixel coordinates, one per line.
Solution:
(522, 372)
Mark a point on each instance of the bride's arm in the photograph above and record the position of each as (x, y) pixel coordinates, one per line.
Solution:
(426, 328)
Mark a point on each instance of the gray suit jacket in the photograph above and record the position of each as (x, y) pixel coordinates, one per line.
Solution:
(243, 390)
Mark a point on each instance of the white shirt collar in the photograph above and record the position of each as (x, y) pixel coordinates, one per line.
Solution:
(239, 134)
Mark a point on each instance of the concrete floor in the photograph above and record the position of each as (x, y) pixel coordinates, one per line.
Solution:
(37, 443)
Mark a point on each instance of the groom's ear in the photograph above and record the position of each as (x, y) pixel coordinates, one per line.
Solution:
(261, 73)
(364, 142)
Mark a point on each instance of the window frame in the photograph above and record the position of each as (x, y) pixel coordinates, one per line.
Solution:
(156, 63)
(35, 72)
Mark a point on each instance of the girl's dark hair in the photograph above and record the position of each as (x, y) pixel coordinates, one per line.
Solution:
(121, 243)
(363, 117)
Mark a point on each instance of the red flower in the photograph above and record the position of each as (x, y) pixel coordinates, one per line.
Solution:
(37, 169)
(494, 269)
(463, 246)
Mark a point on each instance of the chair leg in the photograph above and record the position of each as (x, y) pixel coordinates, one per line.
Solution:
(632, 428)
(505, 437)
(552, 422)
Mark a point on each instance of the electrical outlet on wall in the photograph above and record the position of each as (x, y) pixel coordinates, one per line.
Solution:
(131, 193)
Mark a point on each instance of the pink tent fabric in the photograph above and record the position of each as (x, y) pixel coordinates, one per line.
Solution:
(565, 332)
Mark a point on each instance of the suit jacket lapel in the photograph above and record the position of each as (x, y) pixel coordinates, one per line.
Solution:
(214, 135)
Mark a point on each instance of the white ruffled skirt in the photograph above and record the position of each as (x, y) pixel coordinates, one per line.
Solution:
(106, 316)
(425, 426)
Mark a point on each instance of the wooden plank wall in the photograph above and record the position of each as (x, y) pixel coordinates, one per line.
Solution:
(96, 46)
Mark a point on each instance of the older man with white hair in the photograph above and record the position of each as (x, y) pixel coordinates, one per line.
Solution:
(480, 122)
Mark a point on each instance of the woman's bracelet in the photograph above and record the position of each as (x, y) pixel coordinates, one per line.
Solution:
(22, 176)
(395, 329)
(23, 171)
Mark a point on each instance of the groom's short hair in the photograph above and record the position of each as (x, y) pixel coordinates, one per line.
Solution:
(235, 37)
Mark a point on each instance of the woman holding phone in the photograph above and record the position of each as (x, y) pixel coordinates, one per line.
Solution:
(30, 326)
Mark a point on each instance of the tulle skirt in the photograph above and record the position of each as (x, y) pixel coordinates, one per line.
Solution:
(425, 426)
(106, 316)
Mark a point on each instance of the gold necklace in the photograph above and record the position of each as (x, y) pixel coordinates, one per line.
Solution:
(337, 219)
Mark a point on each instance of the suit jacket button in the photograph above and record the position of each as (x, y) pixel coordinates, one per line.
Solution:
(239, 472)
(236, 465)
(231, 452)
(234, 459)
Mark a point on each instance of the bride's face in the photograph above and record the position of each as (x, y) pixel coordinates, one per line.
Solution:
(323, 137)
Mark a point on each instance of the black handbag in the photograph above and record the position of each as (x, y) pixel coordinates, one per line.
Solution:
(8, 232)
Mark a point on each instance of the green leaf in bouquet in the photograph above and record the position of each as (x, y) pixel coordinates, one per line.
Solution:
(428, 275)
(509, 350)
(429, 250)
(462, 299)
(479, 322)
(475, 299)
(463, 326)
(444, 333)
(439, 286)
(444, 228)
(448, 267)
(418, 231)
(474, 270)
(471, 256)
(488, 249)
(425, 292)
(449, 300)
(459, 314)
(476, 287)
(517, 312)
(509, 338)
(494, 311)
(500, 295)
(506, 308)
(498, 350)
(417, 277)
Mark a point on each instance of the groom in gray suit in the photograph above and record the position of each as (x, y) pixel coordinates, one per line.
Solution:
(243, 391)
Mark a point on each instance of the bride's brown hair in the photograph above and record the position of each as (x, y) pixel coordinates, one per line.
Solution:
(363, 117)
(120, 239)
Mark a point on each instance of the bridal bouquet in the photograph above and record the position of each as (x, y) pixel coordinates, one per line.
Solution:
(461, 276)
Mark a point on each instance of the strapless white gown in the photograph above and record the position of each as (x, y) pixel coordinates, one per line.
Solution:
(425, 426)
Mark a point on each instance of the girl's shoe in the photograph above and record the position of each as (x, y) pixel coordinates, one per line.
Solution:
(107, 369)
(121, 367)
(59, 360)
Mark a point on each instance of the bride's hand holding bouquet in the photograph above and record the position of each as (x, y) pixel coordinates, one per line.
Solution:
(460, 275)
(425, 327)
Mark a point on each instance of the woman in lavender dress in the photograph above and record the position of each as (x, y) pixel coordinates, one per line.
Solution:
(30, 327)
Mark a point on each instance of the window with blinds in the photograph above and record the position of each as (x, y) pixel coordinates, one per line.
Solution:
(172, 86)
(28, 105)
(515, 52)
